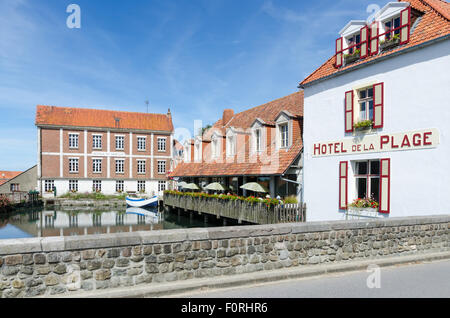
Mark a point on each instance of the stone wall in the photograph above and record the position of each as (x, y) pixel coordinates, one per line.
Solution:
(48, 266)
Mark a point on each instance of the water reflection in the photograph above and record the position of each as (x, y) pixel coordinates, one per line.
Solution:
(43, 223)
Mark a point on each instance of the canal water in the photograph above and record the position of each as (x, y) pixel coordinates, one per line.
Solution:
(39, 222)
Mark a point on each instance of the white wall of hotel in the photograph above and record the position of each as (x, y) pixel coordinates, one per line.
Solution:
(416, 97)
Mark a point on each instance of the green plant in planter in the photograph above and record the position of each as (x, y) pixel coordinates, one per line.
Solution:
(363, 124)
(356, 53)
(391, 40)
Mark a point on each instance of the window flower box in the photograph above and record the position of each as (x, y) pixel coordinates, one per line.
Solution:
(362, 212)
(389, 44)
(350, 58)
(364, 125)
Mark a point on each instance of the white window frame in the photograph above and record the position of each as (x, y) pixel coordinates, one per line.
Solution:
(120, 142)
(141, 143)
(96, 165)
(74, 165)
(120, 166)
(15, 187)
(161, 166)
(73, 185)
(141, 166)
(231, 145)
(73, 140)
(97, 141)
(49, 185)
(366, 101)
(97, 185)
(284, 135)
(368, 176)
(162, 185)
(258, 139)
(120, 186)
(162, 141)
(141, 186)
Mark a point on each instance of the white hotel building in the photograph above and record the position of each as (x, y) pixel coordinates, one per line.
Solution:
(391, 75)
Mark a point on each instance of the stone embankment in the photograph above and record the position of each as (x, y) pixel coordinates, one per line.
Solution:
(62, 265)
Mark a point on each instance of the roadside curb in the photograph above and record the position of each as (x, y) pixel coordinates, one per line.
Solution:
(239, 280)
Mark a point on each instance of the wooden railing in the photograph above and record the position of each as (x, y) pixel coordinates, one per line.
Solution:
(258, 213)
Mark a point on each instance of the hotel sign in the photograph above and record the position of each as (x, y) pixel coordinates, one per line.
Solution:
(412, 140)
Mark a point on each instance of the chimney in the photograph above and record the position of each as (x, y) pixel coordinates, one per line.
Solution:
(169, 114)
(227, 115)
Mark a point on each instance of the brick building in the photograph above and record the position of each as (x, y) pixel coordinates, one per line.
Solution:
(85, 150)
(262, 144)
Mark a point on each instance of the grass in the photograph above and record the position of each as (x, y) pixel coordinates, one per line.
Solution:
(93, 196)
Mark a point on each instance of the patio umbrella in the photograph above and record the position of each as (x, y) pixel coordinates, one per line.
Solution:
(191, 186)
(254, 186)
(215, 186)
(181, 184)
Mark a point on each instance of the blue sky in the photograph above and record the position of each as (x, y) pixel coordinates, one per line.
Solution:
(195, 56)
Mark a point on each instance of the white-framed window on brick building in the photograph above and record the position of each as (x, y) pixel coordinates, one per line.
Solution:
(141, 186)
(161, 144)
(161, 186)
(96, 165)
(14, 187)
(119, 186)
(73, 165)
(120, 165)
(97, 141)
(49, 185)
(73, 141)
(141, 141)
(120, 142)
(97, 185)
(141, 166)
(73, 185)
(161, 166)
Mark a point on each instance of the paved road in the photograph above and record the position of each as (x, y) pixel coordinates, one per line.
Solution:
(416, 280)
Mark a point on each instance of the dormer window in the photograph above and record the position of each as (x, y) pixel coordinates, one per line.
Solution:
(284, 135)
(352, 40)
(231, 144)
(215, 147)
(392, 24)
(258, 139)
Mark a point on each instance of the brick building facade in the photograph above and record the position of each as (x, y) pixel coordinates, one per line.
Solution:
(85, 150)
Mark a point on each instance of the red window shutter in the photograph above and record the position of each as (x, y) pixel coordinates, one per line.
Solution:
(378, 105)
(339, 52)
(364, 36)
(349, 111)
(405, 24)
(374, 38)
(343, 185)
(385, 185)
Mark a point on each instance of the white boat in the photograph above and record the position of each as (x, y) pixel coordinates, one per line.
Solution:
(152, 215)
(141, 202)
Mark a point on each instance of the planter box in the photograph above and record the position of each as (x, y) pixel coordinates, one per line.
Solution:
(356, 213)
(389, 45)
(351, 58)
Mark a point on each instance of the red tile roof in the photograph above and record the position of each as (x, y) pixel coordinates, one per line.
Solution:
(7, 175)
(84, 117)
(434, 24)
(275, 164)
